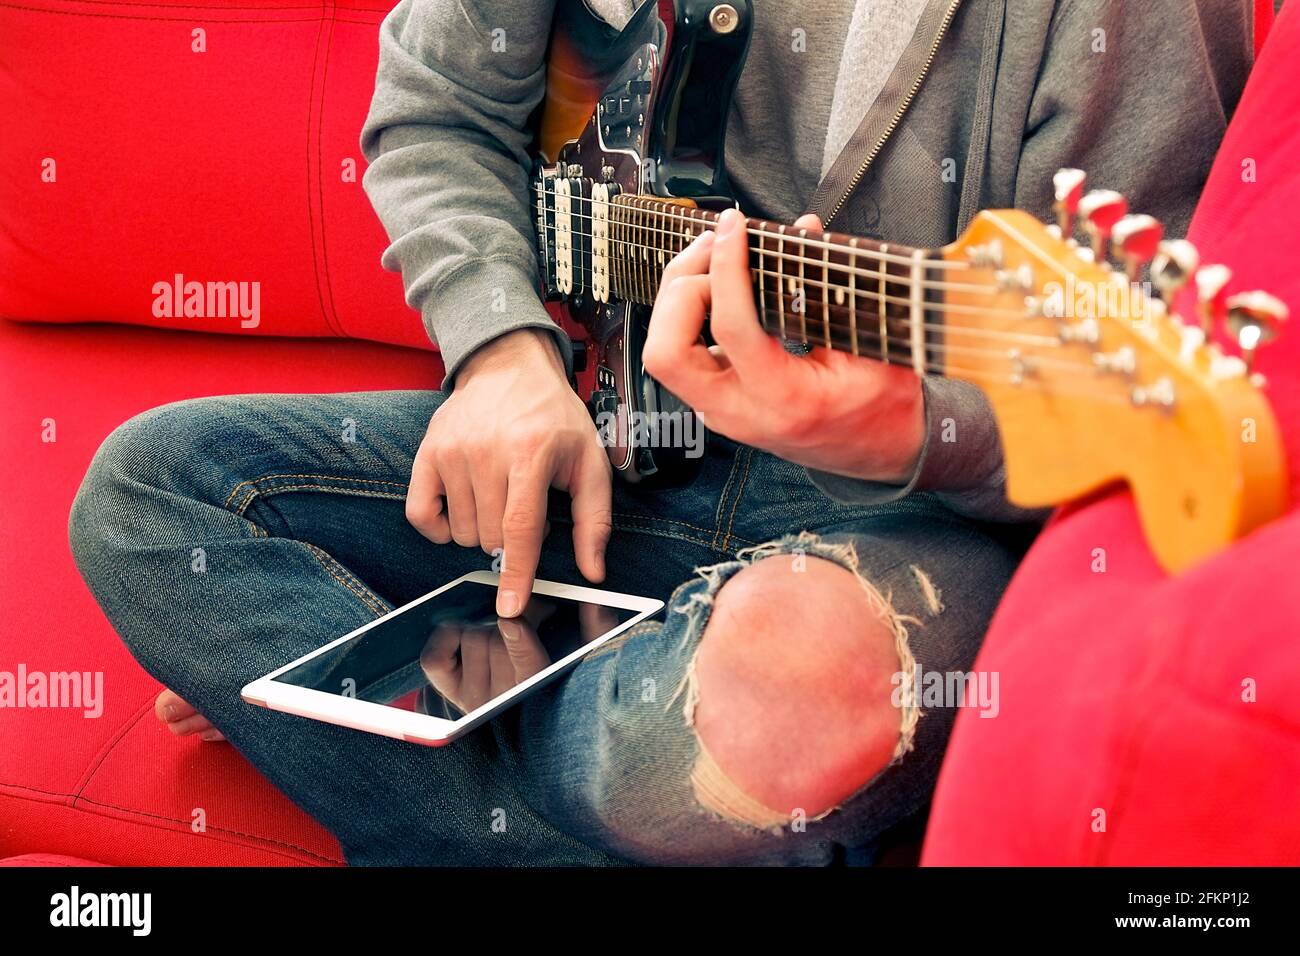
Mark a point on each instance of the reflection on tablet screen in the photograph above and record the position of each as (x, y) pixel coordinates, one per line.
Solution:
(451, 654)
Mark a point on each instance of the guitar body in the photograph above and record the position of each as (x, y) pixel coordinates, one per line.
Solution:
(648, 118)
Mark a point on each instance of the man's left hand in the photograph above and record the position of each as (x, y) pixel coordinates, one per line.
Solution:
(826, 410)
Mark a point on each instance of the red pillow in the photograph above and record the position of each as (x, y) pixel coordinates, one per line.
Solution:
(216, 143)
(1144, 719)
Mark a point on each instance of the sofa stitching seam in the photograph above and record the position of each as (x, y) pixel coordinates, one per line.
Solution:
(128, 16)
(158, 816)
(106, 750)
(332, 315)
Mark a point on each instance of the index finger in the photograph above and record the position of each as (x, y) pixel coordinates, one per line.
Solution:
(736, 325)
(523, 525)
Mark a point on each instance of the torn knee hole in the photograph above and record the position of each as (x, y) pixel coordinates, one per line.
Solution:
(716, 790)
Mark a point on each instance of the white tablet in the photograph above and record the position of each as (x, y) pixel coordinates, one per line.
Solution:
(438, 667)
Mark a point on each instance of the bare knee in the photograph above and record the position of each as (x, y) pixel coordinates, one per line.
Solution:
(795, 675)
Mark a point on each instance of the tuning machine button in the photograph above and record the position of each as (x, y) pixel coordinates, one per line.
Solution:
(1175, 263)
(1101, 210)
(1211, 299)
(1254, 319)
(1068, 184)
(1135, 241)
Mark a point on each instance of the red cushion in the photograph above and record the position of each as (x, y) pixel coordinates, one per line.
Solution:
(1123, 691)
(221, 166)
(120, 789)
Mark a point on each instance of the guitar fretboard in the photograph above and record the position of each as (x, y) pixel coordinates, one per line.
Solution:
(842, 292)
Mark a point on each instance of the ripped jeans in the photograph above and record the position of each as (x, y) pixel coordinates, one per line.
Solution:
(224, 537)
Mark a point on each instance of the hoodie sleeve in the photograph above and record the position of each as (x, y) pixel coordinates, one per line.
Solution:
(447, 141)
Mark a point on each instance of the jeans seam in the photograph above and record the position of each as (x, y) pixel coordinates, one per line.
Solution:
(722, 498)
(652, 529)
(354, 492)
(648, 525)
(341, 574)
(740, 493)
(373, 602)
(254, 482)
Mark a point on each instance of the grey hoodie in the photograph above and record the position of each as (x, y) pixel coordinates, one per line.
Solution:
(1137, 92)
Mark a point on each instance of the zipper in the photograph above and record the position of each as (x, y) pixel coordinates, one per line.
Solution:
(902, 108)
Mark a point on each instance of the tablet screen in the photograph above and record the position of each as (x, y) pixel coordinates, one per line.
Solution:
(451, 654)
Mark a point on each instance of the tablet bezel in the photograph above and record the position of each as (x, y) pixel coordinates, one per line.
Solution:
(422, 728)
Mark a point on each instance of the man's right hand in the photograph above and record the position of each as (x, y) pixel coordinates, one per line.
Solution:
(511, 429)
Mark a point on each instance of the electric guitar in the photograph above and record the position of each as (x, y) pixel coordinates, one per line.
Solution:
(1091, 380)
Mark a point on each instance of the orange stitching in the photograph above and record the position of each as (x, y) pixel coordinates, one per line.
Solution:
(354, 492)
(645, 518)
(740, 493)
(258, 481)
(722, 498)
(329, 564)
(671, 533)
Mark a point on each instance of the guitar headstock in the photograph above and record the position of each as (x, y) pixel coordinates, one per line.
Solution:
(1095, 379)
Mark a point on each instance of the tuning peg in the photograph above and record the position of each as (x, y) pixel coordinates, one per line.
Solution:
(1211, 281)
(1254, 319)
(1135, 240)
(1101, 209)
(1175, 263)
(1069, 190)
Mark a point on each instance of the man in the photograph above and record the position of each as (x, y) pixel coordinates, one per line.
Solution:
(833, 543)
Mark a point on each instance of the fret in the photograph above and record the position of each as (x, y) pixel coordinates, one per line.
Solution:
(654, 252)
(826, 285)
(762, 272)
(616, 249)
(853, 293)
(639, 250)
(803, 288)
(882, 293)
(918, 312)
(780, 277)
(647, 262)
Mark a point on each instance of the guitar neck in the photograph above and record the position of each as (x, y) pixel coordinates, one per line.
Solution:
(835, 291)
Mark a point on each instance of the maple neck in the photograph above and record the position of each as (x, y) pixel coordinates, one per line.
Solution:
(840, 292)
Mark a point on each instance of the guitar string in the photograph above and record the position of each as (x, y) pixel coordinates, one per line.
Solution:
(905, 345)
(825, 265)
(874, 255)
(1021, 377)
(872, 348)
(807, 326)
(846, 268)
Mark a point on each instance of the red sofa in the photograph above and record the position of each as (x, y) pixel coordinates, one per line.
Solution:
(134, 149)
(129, 156)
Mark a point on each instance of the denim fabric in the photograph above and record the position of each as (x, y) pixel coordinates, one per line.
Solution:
(224, 537)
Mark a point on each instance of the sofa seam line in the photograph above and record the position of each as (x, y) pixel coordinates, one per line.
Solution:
(332, 316)
(98, 761)
(156, 816)
(127, 16)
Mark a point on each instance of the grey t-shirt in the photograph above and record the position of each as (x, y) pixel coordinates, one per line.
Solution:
(818, 66)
